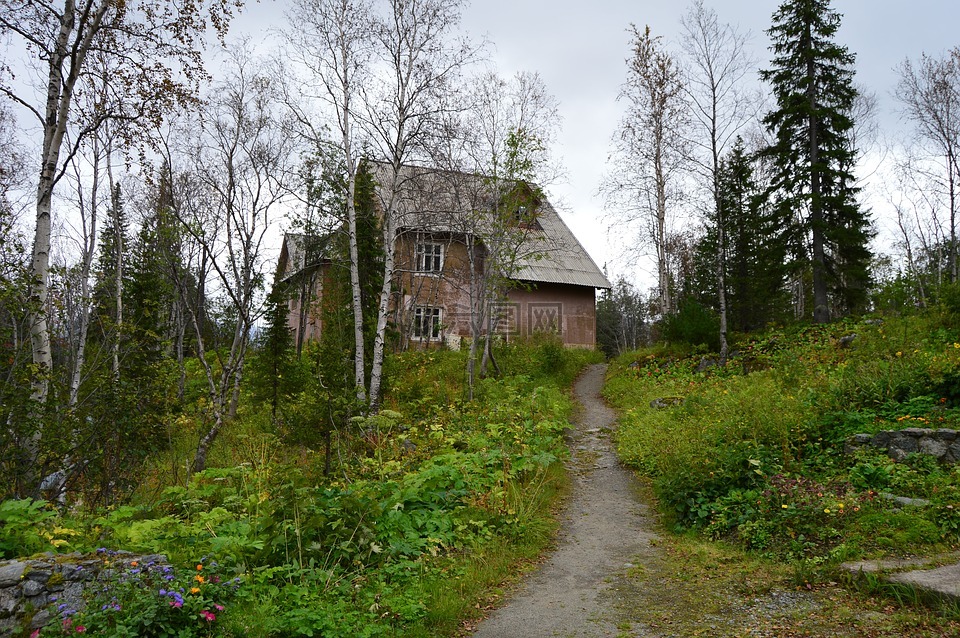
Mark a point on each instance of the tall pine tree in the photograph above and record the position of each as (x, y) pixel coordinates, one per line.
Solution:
(812, 82)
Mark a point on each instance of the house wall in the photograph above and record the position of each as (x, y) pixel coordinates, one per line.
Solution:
(544, 307)
(304, 306)
(568, 309)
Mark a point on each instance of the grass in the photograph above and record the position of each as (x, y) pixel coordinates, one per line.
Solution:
(699, 587)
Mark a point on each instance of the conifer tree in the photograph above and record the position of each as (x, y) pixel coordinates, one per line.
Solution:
(756, 245)
(812, 82)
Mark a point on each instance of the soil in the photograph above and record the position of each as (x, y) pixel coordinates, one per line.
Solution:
(607, 535)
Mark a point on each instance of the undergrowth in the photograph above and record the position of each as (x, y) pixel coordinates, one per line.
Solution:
(753, 452)
(431, 504)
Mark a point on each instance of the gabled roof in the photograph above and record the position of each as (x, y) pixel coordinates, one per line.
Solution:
(438, 201)
(296, 252)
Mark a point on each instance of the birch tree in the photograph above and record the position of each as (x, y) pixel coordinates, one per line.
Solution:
(246, 163)
(648, 150)
(419, 62)
(929, 94)
(721, 103)
(341, 30)
(508, 132)
(153, 51)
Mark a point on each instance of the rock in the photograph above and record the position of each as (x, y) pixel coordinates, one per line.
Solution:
(917, 432)
(40, 619)
(933, 447)
(666, 402)
(32, 588)
(946, 435)
(11, 573)
(906, 501)
(705, 364)
(39, 574)
(8, 601)
(904, 443)
(881, 439)
(846, 340)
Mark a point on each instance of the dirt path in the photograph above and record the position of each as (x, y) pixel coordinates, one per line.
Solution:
(605, 530)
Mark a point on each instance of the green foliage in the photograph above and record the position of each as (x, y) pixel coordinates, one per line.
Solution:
(621, 319)
(693, 324)
(29, 527)
(754, 451)
(812, 154)
(432, 492)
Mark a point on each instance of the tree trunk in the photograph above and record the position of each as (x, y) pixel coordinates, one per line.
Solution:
(383, 308)
(356, 298)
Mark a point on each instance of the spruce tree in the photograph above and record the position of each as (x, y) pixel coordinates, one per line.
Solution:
(756, 245)
(812, 82)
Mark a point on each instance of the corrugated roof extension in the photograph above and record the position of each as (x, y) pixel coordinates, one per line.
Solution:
(444, 202)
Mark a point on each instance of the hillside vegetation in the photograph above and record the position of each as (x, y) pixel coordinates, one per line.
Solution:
(753, 452)
(431, 505)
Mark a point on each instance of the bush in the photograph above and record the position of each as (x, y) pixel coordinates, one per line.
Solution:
(693, 324)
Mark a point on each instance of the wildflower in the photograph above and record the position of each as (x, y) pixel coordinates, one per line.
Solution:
(198, 578)
(826, 510)
(840, 505)
(783, 507)
(133, 563)
(199, 567)
(194, 590)
(218, 607)
(176, 604)
(208, 616)
(80, 629)
(35, 633)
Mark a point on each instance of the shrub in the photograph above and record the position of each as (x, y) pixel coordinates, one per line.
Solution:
(693, 324)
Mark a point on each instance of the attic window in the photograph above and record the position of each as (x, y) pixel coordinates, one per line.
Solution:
(526, 218)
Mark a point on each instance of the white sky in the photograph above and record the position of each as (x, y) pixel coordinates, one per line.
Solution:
(579, 47)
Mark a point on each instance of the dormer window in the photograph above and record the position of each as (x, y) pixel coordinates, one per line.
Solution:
(429, 258)
(526, 218)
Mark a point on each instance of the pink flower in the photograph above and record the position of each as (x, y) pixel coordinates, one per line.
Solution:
(208, 616)
(35, 633)
(218, 607)
(80, 629)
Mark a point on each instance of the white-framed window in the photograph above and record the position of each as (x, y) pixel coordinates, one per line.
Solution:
(429, 257)
(426, 322)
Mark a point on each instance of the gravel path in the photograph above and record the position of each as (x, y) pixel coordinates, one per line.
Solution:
(604, 530)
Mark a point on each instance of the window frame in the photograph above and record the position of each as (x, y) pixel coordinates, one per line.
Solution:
(429, 257)
(434, 317)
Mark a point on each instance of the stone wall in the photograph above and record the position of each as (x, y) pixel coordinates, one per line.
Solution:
(943, 445)
(32, 590)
